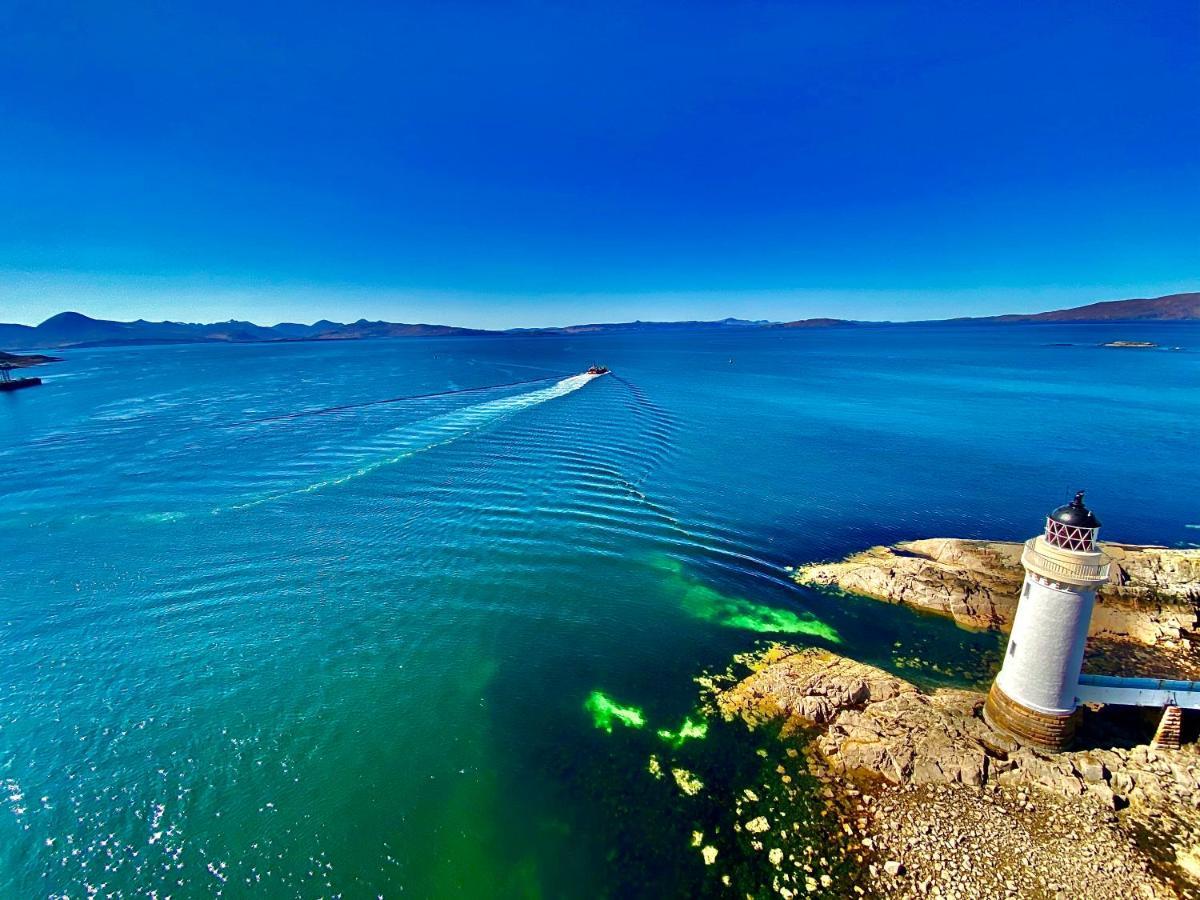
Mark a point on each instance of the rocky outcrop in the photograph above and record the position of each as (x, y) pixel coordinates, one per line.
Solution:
(1152, 598)
(975, 582)
(877, 729)
(811, 685)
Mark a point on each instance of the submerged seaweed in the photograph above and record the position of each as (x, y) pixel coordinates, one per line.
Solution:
(606, 711)
(706, 603)
(691, 728)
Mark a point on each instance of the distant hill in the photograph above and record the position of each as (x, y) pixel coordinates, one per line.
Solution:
(72, 329)
(639, 326)
(294, 330)
(816, 323)
(15, 336)
(1172, 308)
(364, 329)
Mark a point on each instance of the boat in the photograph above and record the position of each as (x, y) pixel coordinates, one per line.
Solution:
(8, 383)
(599, 370)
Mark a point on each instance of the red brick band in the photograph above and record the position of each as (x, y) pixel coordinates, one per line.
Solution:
(1045, 730)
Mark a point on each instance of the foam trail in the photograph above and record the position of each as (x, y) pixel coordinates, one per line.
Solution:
(438, 431)
(344, 407)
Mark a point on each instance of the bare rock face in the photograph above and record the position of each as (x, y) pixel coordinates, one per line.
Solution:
(813, 685)
(1157, 589)
(1152, 598)
(875, 722)
(975, 582)
(879, 725)
(877, 728)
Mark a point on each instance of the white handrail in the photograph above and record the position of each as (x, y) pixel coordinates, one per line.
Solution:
(1079, 571)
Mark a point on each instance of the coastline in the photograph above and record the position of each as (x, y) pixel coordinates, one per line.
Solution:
(28, 360)
(1145, 620)
(935, 803)
(929, 798)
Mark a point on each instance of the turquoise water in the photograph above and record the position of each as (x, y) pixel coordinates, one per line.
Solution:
(353, 652)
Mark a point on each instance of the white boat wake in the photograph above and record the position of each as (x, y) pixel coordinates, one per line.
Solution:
(437, 431)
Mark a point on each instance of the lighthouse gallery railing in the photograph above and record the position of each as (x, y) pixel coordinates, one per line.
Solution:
(1077, 571)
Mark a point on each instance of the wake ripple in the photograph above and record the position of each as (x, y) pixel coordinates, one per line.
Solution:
(434, 432)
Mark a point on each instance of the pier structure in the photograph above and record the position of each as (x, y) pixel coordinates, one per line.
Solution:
(8, 383)
(1040, 685)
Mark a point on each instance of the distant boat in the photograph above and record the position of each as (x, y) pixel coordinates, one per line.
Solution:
(598, 370)
(8, 383)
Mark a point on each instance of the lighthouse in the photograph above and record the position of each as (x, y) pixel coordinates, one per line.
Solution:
(1035, 694)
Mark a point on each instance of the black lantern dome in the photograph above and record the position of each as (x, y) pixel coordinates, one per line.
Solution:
(1073, 526)
(1075, 513)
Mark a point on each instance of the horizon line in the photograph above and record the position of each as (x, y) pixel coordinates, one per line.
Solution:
(596, 322)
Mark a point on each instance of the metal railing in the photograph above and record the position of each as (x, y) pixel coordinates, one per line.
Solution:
(1085, 572)
(1153, 692)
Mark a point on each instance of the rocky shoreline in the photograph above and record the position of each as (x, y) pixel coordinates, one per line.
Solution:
(19, 361)
(1151, 602)
(937, 804)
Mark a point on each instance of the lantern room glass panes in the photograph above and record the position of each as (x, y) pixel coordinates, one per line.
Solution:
(1071, 537)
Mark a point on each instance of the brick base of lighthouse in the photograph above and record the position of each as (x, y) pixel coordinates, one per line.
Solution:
(1044, 730)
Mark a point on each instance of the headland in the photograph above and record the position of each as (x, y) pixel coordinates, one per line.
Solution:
(24, 361)
(936, 803)
(1145, 616)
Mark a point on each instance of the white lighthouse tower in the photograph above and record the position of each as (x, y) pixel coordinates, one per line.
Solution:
(1034, 696)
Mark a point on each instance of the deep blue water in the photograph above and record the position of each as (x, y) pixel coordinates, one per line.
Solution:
(349, 652)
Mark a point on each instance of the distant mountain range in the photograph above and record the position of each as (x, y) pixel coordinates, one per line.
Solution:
(628, 327)
(72, 329)
(1172, 308)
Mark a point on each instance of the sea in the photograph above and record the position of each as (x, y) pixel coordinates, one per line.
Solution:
(422, 617)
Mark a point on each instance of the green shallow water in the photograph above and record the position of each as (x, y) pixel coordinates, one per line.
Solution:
(360, 652)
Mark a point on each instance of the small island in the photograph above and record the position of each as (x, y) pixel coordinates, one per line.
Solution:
(17, 361)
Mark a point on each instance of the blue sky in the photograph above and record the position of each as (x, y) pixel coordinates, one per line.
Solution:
(529, 164)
